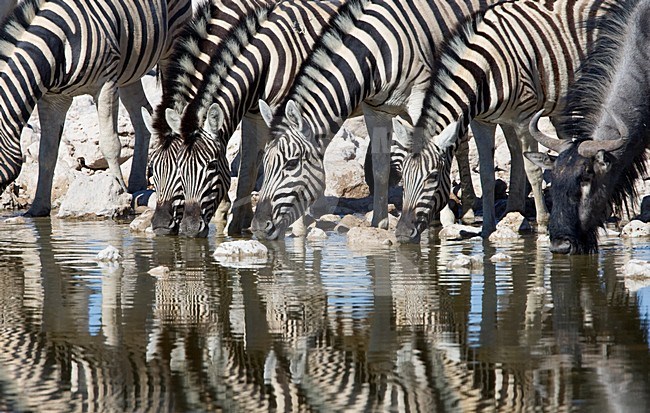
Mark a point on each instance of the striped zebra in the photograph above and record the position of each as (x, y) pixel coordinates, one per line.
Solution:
(376, 58)
(193, 54)
(500, 67)
(259, 59)
(51, 51)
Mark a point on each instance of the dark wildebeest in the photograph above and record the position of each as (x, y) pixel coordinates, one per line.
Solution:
(607, 116)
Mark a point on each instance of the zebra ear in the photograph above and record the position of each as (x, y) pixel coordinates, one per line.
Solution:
(292, 113)
(214, 119)
(147, 120)
(449, 136)
(173, 119)
(266, 112)
(402, 131)
(543, 160)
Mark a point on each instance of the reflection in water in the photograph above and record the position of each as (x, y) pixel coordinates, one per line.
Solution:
(317, 328)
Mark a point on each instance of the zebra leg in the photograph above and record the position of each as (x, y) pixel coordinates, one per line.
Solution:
(535, 177)
(380, 128)
(254, 135)
(134, 100)
(484, 138)
(51, 112)
(468, 196)
(517, 187)
(109, 143)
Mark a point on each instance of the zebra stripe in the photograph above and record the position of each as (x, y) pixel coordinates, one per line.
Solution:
(500, 67)
(53, 50)
(257, 60)
(192, 57)
(375, 57)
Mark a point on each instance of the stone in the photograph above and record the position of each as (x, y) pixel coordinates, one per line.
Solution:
(473, 262)
(15, 220)
(345, 179)
(98, 195)
(500, 257)
(159, 271)
(635, 229)
(316, 234)
(327, 222)
(392, 220)
(447, 217)
(458, 231)
(637, 274)
(109, 253)
(241, 254)
(142, 221)
(361, 238)
(515, 221)
(348, 222)
(503, 234)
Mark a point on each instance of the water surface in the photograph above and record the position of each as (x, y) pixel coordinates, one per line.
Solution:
(318, 327)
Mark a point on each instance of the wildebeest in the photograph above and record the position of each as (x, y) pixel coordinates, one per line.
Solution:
(606, 120)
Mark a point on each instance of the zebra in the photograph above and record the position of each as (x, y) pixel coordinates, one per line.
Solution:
(376, 57)
(259, 59)
(53, 50)
(213, 22)
(500, 67)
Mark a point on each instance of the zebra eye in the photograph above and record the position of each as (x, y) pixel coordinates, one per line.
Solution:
(433, 176)
(212, 165)
(292, 164)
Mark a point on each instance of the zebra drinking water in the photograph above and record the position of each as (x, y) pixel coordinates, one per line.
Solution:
(500, 67)
(53, 50)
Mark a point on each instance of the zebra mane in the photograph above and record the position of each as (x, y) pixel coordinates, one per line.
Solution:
(586, 98)
(337, 28)
(223, 58)
(16, 23)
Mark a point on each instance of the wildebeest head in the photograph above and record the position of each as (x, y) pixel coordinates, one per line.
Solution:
(581, 187)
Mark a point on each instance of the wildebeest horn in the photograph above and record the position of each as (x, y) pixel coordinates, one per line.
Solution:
(591, 148)
(555, 144)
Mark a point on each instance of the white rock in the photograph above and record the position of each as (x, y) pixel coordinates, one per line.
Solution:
(348, 222)
(392, 220)
(241, 248)
(637, 268)
(514, 221)
(109, 253)
(98, 195)
(503, 233)
(472, 262)
(142, 222)
(636, 229)
(316, 234)
(447, 217)
(500, 257)
(459, 231)
(15, 220)
(360, 238)
(159, 271)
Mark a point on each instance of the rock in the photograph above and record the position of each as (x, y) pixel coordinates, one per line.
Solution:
(447, 217)
(459, 231)
(503, 233)
(636, 229)
(109, 253)
(241, 254)
(328, 222)
(369, 237)
(345, 179)
(316, 234)
(500, 257)
(142, 222)
(637, 274)
(241, 249)
(15, 220)
(515, 221)
(159, 271)
(392, 220)
(473, 262)
(98, 195)
(348, 222)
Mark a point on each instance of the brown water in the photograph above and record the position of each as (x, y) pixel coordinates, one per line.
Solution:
(317, 328)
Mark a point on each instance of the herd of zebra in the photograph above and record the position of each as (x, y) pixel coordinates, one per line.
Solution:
(291, 72)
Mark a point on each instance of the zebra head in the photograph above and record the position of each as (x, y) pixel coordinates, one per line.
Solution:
(294, 175)
(583, 176)
(426, 177)
(163, 170)
(204, 173)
